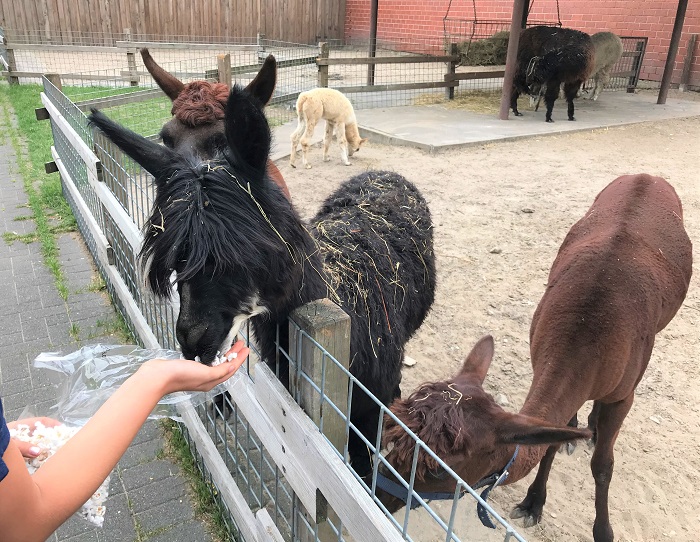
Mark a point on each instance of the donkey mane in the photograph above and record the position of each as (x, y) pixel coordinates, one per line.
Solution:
(200, 102)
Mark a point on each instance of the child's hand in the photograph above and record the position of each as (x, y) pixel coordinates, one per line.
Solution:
(29, 450)
(189, 375)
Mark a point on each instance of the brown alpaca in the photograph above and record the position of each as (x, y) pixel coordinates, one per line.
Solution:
(198, 110)
(336, 109)
(620, 275)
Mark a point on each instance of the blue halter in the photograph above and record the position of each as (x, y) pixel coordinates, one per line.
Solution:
(490, 482)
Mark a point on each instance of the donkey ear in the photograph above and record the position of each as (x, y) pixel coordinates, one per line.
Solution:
(264, 83)
(479, 359)
(520, 429)
(167, 82)
(154, 158)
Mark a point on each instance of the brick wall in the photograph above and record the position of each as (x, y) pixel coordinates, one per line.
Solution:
(415, 20)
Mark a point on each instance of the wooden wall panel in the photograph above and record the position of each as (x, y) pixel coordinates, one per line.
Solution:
(84, 22)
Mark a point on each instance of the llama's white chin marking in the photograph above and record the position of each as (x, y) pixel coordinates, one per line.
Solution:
(252, 308)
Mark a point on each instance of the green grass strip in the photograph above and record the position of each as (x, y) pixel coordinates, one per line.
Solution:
(31, 141)
(206, 506)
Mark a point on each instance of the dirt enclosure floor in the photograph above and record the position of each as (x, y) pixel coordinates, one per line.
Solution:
(501, 211)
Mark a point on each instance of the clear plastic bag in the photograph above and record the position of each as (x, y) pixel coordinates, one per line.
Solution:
(50, 439)
(89, 377)
(93, 374)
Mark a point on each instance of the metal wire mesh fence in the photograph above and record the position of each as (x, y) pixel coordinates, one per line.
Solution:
(484, 43)
(111, 197)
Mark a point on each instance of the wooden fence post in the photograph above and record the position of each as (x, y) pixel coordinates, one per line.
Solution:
(323, 68)
(329, 326)
(689, 53)
(131, 59)
(451, 70)
(11, 67)
(55, 79)
(223, 63)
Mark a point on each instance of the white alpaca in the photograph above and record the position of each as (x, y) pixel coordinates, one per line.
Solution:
(336, 109)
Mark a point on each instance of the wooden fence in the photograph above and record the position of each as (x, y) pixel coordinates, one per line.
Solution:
(79, 22)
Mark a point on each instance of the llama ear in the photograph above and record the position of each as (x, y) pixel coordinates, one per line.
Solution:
(520, 429)
(264, 83)
(153, 157)
(247, 133)
(363, 140)
(479, 359)
(167, 82)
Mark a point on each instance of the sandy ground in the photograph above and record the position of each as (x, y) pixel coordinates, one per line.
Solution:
(477, 197)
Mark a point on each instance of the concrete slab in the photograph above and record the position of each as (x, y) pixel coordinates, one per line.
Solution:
(435, 127)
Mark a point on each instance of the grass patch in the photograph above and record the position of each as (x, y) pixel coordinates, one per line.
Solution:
(74, 332)
(30, 140)
(97, 284)
(206, 507)
(477, 101)
(117, 327)
(11, 237)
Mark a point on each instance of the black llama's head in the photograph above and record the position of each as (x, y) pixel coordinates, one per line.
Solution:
(541, 69)
(218, 227)
(198, 109)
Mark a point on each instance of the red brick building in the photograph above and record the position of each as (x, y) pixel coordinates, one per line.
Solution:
(402, 20)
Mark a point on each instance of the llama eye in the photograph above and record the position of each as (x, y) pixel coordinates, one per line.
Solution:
(167, 140)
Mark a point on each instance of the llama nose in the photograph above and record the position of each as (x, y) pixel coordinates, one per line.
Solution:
(189, 337)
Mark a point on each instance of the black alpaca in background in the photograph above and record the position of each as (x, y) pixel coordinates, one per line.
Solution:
(547, 57)
(240, 251)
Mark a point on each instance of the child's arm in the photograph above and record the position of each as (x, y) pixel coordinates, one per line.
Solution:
(32, 507)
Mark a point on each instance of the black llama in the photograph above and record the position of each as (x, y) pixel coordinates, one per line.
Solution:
(240, 251)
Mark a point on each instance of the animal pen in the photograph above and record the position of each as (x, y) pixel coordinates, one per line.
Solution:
(278, 464)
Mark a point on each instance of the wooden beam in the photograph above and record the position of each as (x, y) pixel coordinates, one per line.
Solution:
(397, 86)
(82, 148)
(303, 442)
(416, 59)
(186, 46)
(121, 290)
(61, 48)
(470, 76)
(121, 99)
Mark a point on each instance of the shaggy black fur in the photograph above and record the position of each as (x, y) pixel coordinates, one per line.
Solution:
(238, 245)
(547, 57)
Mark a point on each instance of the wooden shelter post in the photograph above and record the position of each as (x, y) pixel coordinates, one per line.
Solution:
(672, 51)
(519, 7)
(374, 15)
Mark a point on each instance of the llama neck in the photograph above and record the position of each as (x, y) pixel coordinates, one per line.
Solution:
(555, 405)
(553, 401)
(528, 458)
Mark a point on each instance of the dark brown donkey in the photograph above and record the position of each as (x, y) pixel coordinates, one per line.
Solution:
(618, 279)
(198, 111)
